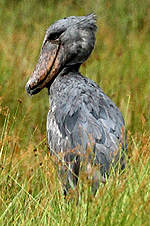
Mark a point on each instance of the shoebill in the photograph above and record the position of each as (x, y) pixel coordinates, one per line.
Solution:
(81, 118)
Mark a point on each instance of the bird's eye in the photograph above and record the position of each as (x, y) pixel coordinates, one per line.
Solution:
(54, 36)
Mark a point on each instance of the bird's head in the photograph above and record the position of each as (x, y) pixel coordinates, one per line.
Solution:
(67, 43)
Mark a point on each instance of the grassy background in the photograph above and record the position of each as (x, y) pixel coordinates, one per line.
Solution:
(30, 193)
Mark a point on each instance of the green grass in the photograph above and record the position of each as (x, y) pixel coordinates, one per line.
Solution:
(30, 193)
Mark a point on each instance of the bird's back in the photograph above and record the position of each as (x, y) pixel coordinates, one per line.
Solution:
(81, 116)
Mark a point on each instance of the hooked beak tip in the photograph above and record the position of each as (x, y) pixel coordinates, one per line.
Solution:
(28, 90)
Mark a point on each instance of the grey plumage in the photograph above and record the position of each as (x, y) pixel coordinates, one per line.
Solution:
(81, 116)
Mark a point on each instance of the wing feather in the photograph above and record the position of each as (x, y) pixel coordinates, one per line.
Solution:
(87, 116)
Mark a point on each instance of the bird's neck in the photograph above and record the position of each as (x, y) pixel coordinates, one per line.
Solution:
(70, 68)
(68, 76)
(65, 71)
